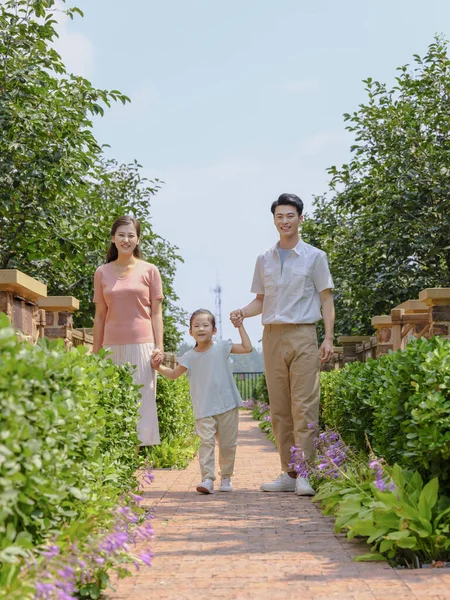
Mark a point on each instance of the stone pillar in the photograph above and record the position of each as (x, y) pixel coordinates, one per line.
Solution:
(415, 307)
(19, 295)
(383, 332)
(438, 302)
(348, 343)
(58, 317)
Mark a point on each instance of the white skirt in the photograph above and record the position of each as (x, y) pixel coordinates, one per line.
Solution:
(139, 355)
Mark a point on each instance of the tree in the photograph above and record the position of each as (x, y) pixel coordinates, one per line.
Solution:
(58, 194)
(386, 226)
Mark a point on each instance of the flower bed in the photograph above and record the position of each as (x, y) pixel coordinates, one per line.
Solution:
(67, 461)
(401, 510)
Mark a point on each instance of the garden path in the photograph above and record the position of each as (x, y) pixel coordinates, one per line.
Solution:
(249, 545)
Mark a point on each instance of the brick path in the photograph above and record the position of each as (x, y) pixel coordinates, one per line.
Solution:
(250, 545)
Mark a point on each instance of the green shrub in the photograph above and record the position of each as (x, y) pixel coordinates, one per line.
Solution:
(401, 402)
(412, 415)
(179, 443)
(175, 413)
(407, 522)
(261, 392)
(346, 402)
(176, 454)
(67, 439)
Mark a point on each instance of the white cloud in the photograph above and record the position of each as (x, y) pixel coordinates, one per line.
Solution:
(301, 88)
(76, 50)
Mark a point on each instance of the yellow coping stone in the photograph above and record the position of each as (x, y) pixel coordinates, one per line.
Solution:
(12, 280)
(435, 296)
(62, 303)
(338, 349)
(411, 306)
(381, 321)
(353, 339)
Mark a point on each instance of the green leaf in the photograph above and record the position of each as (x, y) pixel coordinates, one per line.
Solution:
(407, 542)
(370, 558)
(386, 545)
(428, 498)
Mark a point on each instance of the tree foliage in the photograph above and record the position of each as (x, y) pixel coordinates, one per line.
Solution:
(386, 225)
(58, 193)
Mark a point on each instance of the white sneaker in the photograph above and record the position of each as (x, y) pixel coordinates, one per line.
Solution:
(225, 485)
(206, 486)
(303, 487)
(283, 483)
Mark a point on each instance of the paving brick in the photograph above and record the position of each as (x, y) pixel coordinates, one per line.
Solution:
(249, 545)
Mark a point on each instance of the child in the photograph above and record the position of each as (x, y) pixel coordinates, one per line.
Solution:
(214, 395)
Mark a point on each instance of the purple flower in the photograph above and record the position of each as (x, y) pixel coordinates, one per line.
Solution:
(66, 572)
(148, 476)
(60, 575)
(136, 498)
(146, 557)
(50, 551)
(331, 456)
(382, 481)
(299, 463)
(43, 589)
(62, 595)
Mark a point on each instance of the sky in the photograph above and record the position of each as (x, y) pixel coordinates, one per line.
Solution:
(232, 104)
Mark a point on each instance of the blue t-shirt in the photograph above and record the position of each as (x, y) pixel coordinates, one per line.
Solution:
(213, 390)
(283, 253)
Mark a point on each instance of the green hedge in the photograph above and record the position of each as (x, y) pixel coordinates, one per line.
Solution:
(179, 443)
(67, 439)
(261, 392)
(401, 402)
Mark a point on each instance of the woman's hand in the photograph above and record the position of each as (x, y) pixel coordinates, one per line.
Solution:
(157, 359)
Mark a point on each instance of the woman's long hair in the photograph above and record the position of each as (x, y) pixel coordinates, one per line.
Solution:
(112, 252)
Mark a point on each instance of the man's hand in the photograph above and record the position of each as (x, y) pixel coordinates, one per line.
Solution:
(237, 317)
(157, 358)
(326, 350)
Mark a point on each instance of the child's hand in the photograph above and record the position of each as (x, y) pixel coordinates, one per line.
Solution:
(157, 359)
(237, 318)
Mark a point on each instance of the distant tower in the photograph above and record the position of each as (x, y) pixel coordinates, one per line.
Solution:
(218, 292)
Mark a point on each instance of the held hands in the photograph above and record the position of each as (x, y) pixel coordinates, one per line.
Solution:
(157, 359)
(326, 350)
(237, 317)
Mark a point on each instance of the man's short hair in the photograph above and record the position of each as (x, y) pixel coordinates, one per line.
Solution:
(288, 199)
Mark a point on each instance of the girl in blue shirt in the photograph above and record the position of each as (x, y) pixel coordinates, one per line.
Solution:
(214, 395)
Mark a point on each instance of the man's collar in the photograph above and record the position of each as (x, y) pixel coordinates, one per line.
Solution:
(297, 249)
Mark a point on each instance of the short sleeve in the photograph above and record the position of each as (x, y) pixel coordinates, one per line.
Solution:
(226, 346)
(184, 361)
(258, 278)
(98, 288)
(156, 291)
(321, 275)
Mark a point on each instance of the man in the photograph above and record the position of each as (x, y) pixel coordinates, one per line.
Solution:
(292, 283)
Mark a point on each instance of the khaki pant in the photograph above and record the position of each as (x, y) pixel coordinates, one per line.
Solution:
(224, 427)
(292, 366)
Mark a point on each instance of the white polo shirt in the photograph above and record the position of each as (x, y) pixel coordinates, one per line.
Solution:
(291, 295)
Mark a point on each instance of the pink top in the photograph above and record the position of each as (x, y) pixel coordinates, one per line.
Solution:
(129, 300)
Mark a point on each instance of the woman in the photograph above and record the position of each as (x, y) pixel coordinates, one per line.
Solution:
(128, 316)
